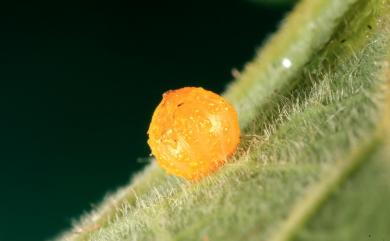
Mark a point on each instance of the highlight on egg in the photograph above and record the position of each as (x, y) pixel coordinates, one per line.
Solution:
(192, 132)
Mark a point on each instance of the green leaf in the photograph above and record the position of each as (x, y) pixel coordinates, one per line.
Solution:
(313, 164)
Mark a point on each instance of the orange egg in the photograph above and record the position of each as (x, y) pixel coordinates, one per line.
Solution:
(193, 131)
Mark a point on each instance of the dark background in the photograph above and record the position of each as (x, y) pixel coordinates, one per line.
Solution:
(78, 85)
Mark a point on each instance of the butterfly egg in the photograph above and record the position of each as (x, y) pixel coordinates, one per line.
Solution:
(193, 131)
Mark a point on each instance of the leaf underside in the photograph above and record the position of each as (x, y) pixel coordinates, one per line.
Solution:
(313, 163)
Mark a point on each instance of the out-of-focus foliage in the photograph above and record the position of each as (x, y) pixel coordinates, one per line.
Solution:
(274, 3)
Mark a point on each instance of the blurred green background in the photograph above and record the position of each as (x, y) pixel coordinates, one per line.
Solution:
(79, 82)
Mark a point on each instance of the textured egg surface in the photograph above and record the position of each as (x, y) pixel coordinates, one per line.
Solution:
(193, 131)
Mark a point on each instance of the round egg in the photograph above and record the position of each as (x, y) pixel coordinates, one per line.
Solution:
(193, 131)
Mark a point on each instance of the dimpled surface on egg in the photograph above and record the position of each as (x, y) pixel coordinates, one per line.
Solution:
(192, 132)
